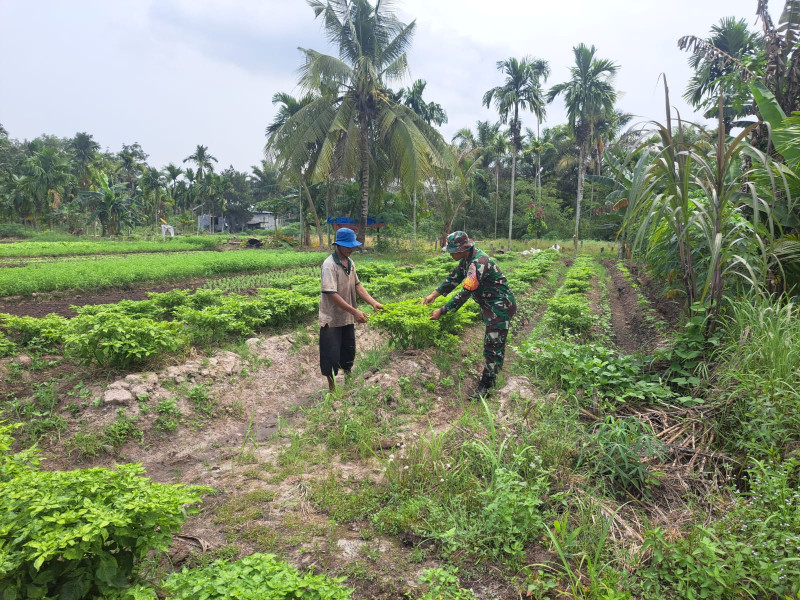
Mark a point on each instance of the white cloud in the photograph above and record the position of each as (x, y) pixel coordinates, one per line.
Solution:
(172, 74)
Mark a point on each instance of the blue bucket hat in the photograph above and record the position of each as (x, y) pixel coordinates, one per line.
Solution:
(347, 238)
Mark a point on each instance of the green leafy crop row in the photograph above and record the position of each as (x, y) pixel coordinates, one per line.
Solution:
(569, 310)
(106, 247)
(120, 271)
(130, 332)
(409, 325)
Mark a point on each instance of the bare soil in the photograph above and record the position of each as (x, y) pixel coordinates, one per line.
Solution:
(633, 332)
(60, 303)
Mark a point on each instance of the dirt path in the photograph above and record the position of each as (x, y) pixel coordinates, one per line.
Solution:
(633, 330)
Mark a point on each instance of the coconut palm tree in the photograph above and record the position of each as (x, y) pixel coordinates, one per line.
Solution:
(290, 106)
(732, 58)
(521, 90)
(431, 113)
(589, 96)
(110, 204)
(355, 111)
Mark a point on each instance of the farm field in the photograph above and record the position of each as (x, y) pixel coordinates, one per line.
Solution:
(77, 248)
(397, 474)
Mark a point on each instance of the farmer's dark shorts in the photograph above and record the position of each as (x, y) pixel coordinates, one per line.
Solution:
(337, 349)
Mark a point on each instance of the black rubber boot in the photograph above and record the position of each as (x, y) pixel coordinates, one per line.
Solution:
(484, 388)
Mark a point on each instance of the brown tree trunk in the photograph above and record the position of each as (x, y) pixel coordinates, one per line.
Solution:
(362, 231)
(581, 179)
(313, 214)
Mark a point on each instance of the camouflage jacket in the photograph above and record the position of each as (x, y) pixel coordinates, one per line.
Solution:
(483, 281)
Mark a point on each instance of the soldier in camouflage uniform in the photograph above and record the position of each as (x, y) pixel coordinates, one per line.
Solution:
(482, 280)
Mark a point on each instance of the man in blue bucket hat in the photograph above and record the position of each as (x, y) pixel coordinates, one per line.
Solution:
(338, 310)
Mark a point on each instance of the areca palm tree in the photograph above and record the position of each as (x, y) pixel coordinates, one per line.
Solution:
(431, 112)
(355, 111)
(132, 158)
(152, 183)
(171, 175)
(521, 90)
(203, 160)
(47, 175)
(589, 97)
(84, 151)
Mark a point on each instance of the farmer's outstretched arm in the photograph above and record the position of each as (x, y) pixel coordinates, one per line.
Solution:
(364, 295)
(340, 303)
(450, 283)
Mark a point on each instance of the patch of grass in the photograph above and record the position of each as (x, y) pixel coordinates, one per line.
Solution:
(264, 538)
(169, 415)
(348, 501)
(205, 404)
(243, 508)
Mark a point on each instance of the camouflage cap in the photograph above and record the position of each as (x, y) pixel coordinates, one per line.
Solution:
(458, 241)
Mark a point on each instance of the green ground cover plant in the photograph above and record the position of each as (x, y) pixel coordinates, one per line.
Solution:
(254, 577)
(80, 247)
(479, 491)
(80, 534)
(568, 310)
(593, 372)
(749, 551)
(107, 272)
(408, 324)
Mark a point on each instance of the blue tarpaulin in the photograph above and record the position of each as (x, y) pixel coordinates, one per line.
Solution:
(371, 221)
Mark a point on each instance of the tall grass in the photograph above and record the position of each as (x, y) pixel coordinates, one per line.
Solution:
(759, 371)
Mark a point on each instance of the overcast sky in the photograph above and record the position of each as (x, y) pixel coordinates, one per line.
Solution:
(171, 74)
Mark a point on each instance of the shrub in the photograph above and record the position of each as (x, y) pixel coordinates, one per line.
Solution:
(80, 534)
(38, 333)
(117, 340)
(409, 325)
(287, 307)
(7, 347)
(13, 230)
(234, 315)
(169, 301)
(255, 577)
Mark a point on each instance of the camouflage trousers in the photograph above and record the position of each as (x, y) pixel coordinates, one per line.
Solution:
(494, 350)
(497, 317)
